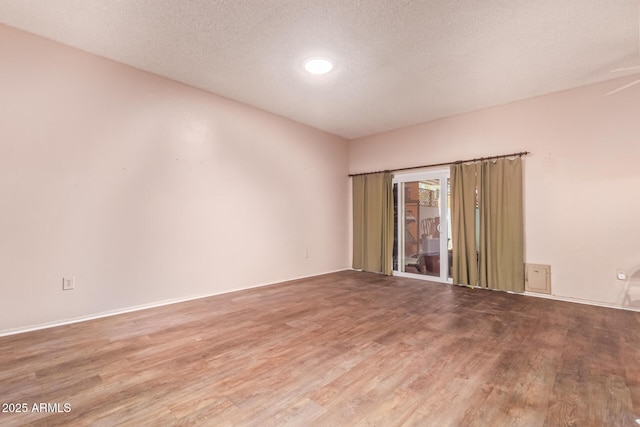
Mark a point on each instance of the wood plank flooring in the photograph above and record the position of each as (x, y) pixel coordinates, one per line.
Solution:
(343, 349)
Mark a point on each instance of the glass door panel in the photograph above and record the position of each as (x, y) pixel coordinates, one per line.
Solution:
(422, 227)
(422, 235)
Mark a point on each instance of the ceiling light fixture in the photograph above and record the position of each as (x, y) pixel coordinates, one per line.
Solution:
(318, 65)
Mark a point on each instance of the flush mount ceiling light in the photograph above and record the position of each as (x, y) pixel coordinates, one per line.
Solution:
(318, 65)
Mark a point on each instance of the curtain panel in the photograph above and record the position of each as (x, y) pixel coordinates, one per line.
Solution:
(488, 224)
(373, 222)
(464, 182)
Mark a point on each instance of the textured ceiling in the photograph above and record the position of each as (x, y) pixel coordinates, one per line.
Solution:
(397, 62)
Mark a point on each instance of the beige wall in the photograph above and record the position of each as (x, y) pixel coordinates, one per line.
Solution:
(147, 190)
(582, 179)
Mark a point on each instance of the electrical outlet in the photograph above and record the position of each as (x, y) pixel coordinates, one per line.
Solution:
(68, 283)
(621, 274)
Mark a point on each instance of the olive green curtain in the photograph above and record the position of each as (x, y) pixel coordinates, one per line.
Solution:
(464, 181)
(502, 225)
(500, 243)
(373, 222)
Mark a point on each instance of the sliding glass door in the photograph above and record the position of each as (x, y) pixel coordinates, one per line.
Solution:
(422, 233)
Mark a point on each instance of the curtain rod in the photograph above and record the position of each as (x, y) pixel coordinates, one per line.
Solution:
(479, 159)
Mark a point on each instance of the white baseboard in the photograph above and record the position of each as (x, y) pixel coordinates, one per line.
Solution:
(581, 301)
(47, 325)
(565, 299)
(530, 294)
(62, 322)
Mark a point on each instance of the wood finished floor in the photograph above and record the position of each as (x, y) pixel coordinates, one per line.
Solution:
(341, 349)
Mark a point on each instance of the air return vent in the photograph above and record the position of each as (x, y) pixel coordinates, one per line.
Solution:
(537, 278)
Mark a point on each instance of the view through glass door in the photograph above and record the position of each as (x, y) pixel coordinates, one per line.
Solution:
(422, 233)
